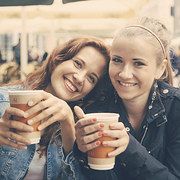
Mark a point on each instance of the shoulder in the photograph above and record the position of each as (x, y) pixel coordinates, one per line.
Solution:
(170, 97)
(4, 101)
(4, 91)
(4, 97)
(167, 91)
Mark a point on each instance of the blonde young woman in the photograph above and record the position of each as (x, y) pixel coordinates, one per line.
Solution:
(148, 134)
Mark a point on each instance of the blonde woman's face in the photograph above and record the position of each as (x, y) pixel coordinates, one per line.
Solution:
(133, 68)
(73, 79)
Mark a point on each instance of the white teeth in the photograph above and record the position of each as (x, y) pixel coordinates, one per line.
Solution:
(127, 84)
(70, 85)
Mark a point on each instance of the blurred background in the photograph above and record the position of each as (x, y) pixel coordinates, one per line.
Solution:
(29, 33)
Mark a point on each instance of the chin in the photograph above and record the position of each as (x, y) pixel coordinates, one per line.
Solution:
(126, 97)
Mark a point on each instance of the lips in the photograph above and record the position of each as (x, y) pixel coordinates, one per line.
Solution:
(70, 86)
(127, 84)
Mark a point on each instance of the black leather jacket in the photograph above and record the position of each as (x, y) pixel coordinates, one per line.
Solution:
(153, 153)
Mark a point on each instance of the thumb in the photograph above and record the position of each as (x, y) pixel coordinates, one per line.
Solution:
(79, 112)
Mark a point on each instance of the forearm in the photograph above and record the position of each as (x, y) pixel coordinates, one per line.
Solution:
(68, 134)
(140, 164)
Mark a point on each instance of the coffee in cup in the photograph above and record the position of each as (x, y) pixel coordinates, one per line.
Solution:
(19, 99)
(98, 157)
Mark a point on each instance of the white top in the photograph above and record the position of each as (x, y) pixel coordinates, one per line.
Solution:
(36, 168)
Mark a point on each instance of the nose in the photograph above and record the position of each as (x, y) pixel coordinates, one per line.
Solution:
(79, 77)
(126, 72)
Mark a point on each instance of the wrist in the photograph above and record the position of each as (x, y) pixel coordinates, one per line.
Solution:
(69, 121)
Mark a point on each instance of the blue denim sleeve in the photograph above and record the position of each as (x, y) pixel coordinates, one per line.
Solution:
(4, 101)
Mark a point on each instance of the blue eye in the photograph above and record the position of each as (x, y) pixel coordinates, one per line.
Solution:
(139, 63)
(117, 60)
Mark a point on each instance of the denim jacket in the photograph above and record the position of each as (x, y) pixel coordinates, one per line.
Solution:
(154, 152)
(14, 163)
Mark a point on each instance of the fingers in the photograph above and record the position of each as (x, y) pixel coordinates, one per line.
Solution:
(115, 143)
(12, 139)
(117, 151)
(90, 129)
(44, 114)
(85, 122)
(121, 139)
(90, 138)
(117, 125)
(11, 124)
(115, 133)
(47, 122)
(8, 142)
(38, 98)
(13, 111)
(42, 106)
(87, 147)
(52, 109)
(87, 133)
(79, 112)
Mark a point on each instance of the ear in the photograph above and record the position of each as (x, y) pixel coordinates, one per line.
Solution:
(160, 69)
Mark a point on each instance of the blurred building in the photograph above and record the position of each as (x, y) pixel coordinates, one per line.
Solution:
(176, 15)
(160, 9)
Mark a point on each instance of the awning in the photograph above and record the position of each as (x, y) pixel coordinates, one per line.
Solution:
(31, 2)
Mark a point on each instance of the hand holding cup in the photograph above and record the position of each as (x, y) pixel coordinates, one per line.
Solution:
(102, 136)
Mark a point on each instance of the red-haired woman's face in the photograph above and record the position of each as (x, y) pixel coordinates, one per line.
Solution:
(73, 79)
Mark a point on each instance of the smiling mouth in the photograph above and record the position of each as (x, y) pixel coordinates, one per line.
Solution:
(70, 86)
(127, 84)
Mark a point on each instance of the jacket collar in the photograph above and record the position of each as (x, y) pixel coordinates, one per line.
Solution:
(159, 106)
(157, 110)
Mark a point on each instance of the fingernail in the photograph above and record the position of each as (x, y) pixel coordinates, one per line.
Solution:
(104, 133)
(101, 125)
(94, 120)
(110, 155)
(104, 143)
(40, 128)
(30, 103)
(99, 134)
(25, 115)
(98, 143)
(111, 126)
(30, 122)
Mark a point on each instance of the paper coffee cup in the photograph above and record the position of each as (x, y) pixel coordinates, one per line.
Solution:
(98, 157)
(19, 99)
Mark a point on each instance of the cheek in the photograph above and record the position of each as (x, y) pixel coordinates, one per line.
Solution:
(88, 87)
(110, 70)
(146, 80)
(113, 71)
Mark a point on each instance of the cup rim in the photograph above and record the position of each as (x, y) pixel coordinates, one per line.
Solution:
(103, 114)
(22, 92)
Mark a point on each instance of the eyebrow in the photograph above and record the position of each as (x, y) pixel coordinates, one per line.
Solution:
(117, 56)
(80, 59)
